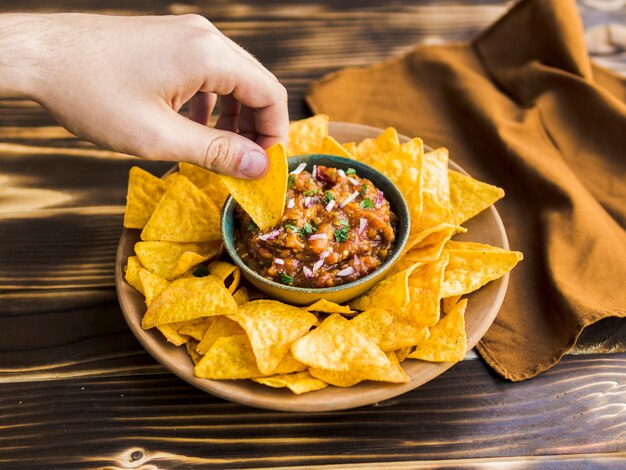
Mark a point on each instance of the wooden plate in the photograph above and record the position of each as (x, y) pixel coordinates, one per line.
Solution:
(481, 311)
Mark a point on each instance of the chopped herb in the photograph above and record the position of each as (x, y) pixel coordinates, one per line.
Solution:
(308, 229)
(367, 203)
(251, 226)
(311, 192)
(291, 181)
(350, 171)
(364, 189)
(328, 196)
(292, 227)
(341, 234)
(285, 278)
(201, 271)
(345, 222)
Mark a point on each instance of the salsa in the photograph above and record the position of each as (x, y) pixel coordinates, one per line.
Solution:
(336, 228)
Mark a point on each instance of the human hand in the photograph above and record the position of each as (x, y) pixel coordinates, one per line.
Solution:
(120, 82)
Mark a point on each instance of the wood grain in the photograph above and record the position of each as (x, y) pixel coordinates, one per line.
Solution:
(466, 415)
(78, 391)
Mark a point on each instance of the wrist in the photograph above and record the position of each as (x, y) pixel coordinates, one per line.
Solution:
(20, 55)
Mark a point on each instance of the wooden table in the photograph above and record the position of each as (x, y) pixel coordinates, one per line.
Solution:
(77, 389)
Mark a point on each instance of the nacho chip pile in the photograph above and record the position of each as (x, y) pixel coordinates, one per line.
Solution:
(195, 296)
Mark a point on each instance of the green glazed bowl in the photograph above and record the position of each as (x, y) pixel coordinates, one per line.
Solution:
(339, 294)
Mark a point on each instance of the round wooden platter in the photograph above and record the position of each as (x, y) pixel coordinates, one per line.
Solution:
(482, 308)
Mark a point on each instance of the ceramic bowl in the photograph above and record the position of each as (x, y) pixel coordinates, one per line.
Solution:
(341, 293)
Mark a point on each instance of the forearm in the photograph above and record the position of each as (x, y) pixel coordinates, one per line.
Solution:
(19, 54)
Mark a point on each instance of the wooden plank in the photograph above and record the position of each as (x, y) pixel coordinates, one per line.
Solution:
(577, 408)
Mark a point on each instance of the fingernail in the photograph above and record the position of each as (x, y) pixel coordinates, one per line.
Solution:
(253, 164)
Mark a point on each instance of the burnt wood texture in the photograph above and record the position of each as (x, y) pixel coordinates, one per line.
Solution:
(78, 391)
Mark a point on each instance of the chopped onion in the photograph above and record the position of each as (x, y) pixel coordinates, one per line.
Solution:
(298, 170)
(353, 180)
(318, 236)
(330, 205)
(307, 272)
(314, 173)
(324, 254)
(356, 260)
(291, 203)
(379, 201)
(362, 226)
(279, 261)
(341, 173)
(269, 236)
(349, 199)
(318, 264)
(346, 272)
(307, 201)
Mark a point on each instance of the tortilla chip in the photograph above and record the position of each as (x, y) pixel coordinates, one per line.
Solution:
(338, 379)
(223, 270)
(469, 197)
(350, 147)
(169, 259)
(427, 245)
(435, 176)
(230, 357)
(196, 328)
(336, 345)
(184, 214)
(331, 147)
(152, 285)
(306, 135)
(191, 350)
(220, 326)
(392, 293)
(472, 265)
(272, 328)
(326, 306)
(402, 354)
(209, 182)
(391, 373)
(298, 383)
(131, 273)
(447, 342)
(241, 296)
(388, 140)
(389, 330)
(187, 299)
(172, 335)
(289, 365)
(144, 193)
(425, 287)
(263, 199)
(448, 303)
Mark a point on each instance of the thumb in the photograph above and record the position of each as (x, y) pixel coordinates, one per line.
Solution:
(224, 152)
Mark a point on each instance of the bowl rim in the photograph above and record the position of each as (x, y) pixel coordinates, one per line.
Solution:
(402, 213)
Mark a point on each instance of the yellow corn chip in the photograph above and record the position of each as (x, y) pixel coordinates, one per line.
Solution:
(447, 342)
(169, 179)
(131, 273)
(298, 383)
(169, 259)
(272, 328)
(449, 302)
(187, 299)
(289, 365)
(392, 372)
(367, 151)
(196, 328)
(472, 265)
(387, 140)
(306, 135)
(392, 293)
(222, 270)
(152, 285)
(336, 345)
(144, 193)
(191, 350)
(350, 147)
(402, 354)
(184, 214)
(241, 296)
(469, 197)
(425, 287)
(172, 335)
(338, 379)
(209, 182)
(230, 357)
(263, 199)
(427, 245)
(220, 326)
(389, 330)
(432, 215)
(435, 176)
(331, 147)
(326, 306)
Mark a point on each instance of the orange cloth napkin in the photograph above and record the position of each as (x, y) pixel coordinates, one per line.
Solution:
(522, 107)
